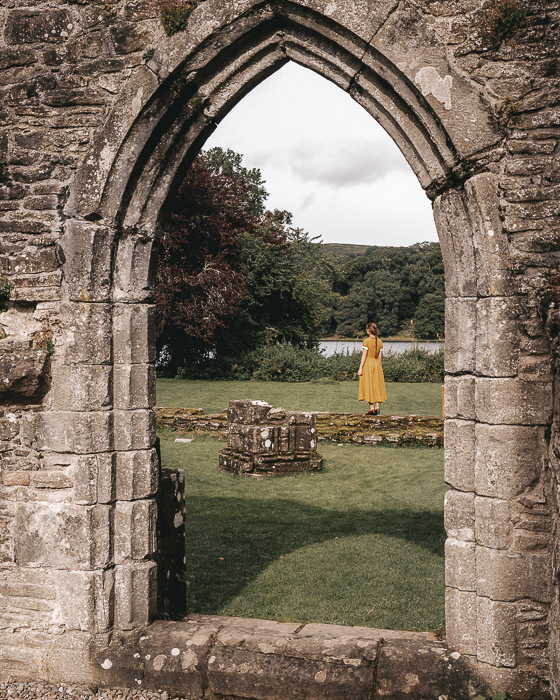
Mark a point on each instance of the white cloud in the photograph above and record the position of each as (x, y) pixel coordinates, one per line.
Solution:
(327, 161)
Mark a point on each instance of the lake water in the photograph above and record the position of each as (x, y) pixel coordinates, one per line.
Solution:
(394, 346)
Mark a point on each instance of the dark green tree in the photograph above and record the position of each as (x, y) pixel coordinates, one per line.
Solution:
(429, 319)
(233, 276)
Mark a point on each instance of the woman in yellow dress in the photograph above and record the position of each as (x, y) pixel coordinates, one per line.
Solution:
(372, 381)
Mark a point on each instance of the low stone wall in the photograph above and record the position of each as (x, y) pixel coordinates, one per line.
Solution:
(228, 657)
(354, 428)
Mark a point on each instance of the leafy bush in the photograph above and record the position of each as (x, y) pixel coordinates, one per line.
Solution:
(414, 365)
(287, 363)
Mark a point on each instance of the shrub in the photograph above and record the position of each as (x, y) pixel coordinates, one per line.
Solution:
(414, 365)
(287, 363)
(504, 18)
(174, 14)
(342, 366)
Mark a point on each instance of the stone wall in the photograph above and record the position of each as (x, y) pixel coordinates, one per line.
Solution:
(350, 428)
(94, 139)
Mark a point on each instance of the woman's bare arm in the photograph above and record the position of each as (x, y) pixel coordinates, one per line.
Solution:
(364, 355)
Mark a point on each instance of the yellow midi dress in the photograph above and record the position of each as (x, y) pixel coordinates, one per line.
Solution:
(372, 382)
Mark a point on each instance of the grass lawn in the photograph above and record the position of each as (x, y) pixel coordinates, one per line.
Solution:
(360, 543)
(326, 395)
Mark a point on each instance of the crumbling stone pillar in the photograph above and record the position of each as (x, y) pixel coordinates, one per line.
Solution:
(268, 441)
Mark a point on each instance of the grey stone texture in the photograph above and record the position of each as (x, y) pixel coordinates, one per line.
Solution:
(83, 181)
(265, 441)
(219, 657)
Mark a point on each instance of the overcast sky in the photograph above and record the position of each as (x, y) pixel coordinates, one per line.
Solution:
(327, 161)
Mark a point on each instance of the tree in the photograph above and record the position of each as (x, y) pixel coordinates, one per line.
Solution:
(386, 286)
(233, 276)
(429, 319)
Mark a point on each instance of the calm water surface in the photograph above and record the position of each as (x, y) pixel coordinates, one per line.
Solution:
(331, 347)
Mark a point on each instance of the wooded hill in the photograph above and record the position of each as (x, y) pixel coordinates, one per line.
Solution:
(399, 288)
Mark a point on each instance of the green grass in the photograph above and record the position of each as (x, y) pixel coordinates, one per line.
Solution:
(360, 543)
(322, 395)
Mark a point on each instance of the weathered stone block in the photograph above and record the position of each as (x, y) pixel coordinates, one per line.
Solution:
(136, 474)
(24, 374)
(509, 576)
(135, 594)
(268, 441)
(134, 333)
(62, 536)
(459, 397)
(50, 479)
(253, 438)
(135, 268)
(497, 336)
(303, 438)
(81, 387)
(496, 639)
(461, 620)
(459, 451)
(128, 37)
(492, 523)
(508, 459)
(88, 250)
(16, 478)
(31, 26)
(450, 215)
(87, 333)
(459, 515)
(460, 570)
(134, 430)
(265, 674)
(460, 334)
(85, 599)
(135, 530)
(513, 401)
(82, 433)
(134, 386)
(521, 683)
(263, 465)
(247, 412)
(493, 265)
(94, 478)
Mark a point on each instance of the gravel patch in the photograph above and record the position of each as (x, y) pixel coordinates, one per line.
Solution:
(43, 691)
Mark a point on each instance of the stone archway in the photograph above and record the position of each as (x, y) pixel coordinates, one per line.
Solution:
(397, 62)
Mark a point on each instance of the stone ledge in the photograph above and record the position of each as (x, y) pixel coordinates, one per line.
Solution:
(228, 657)
(354, 428)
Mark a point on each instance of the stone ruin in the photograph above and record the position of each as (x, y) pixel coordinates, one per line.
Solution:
(267, 441)
(101, 115)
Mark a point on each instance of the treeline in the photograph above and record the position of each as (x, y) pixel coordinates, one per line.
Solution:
(400, 288)
(241, 293)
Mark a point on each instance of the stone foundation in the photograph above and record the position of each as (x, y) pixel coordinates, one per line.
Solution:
(267, 441)
(349, 428)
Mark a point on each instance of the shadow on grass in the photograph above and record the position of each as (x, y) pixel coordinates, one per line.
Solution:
(232, 540)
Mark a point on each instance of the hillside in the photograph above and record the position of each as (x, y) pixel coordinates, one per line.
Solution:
(347, 250)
